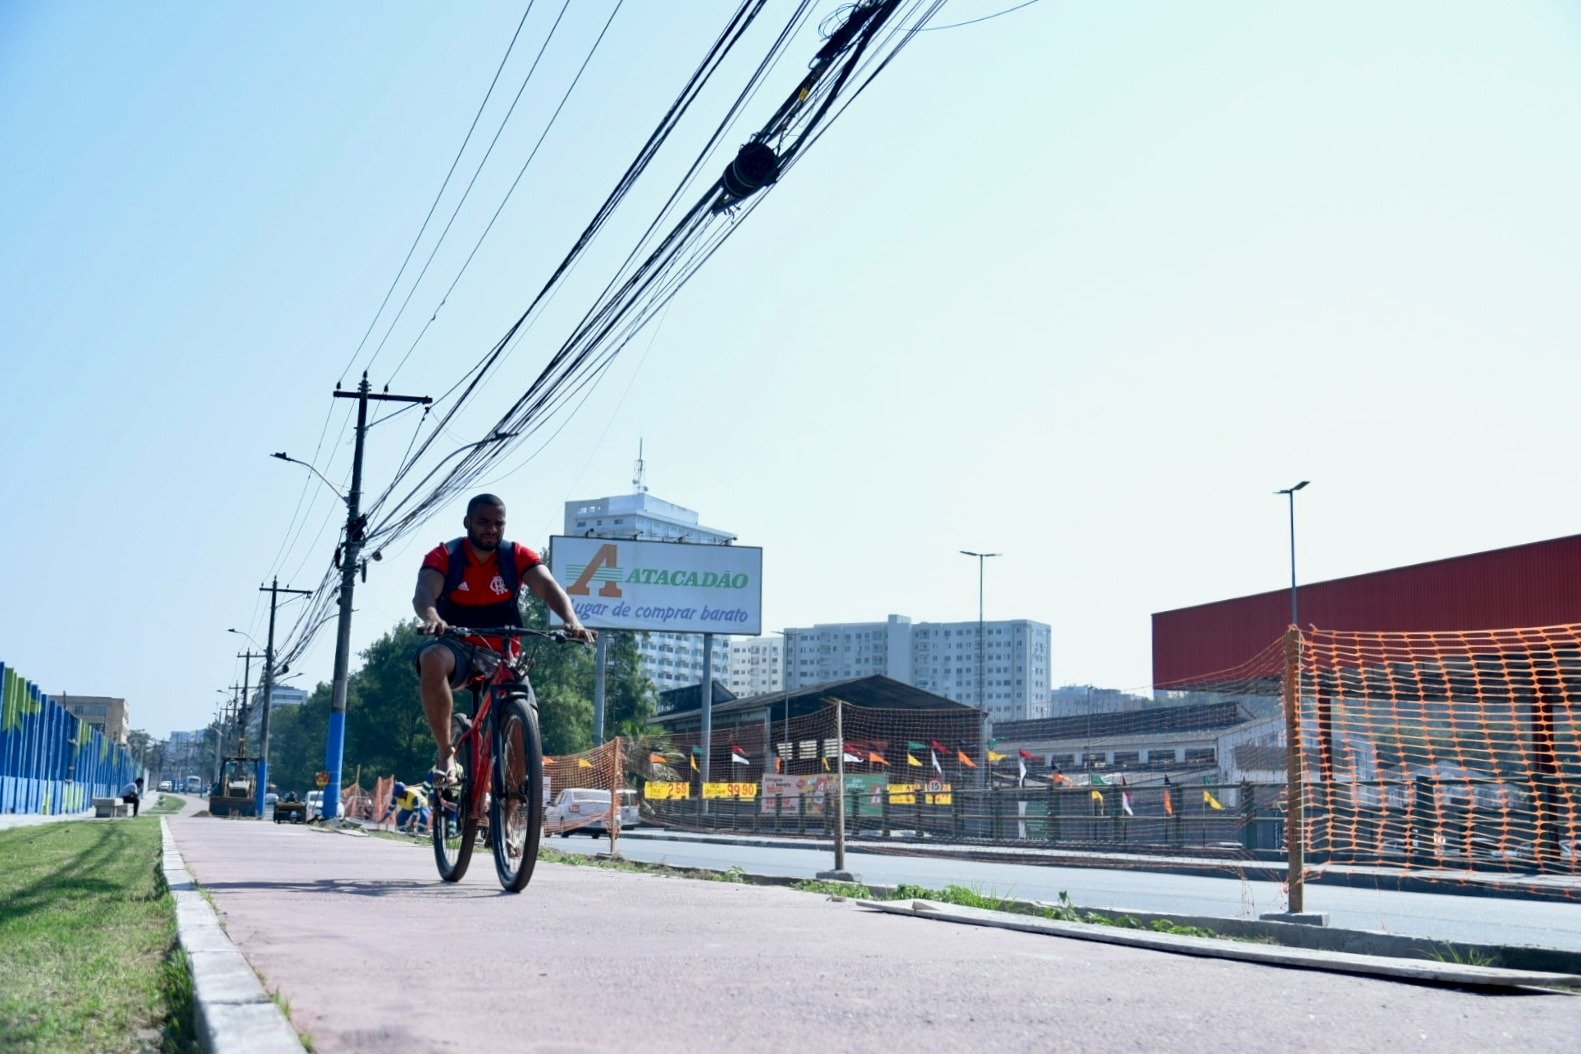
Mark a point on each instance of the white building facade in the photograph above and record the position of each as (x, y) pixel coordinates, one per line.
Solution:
(940, 657)
(753, 665)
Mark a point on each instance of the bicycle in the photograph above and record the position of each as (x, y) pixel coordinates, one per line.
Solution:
(500, 753)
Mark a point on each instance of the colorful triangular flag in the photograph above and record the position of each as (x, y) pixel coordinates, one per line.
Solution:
(1125, 797)
(994, 755)
(934, 754)
(1027, 755)
(583, 763)
(914, 745)
(1210, 800)
(965, 759)
(738, 756)
(1022, 778)
(912, 762)
(1169, 798)
(656, 758)
(852, 756)
(877, 759)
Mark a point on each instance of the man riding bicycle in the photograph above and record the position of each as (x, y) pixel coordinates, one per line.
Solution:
(474, 581)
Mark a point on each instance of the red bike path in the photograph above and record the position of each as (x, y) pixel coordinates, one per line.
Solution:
(373, 953)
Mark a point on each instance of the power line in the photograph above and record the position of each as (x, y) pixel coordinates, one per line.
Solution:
(855, 51)
(478, 171)
(974, 21)
(553, 118)
(440, 194)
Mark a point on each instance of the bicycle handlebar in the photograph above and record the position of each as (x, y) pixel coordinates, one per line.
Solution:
(558, 636)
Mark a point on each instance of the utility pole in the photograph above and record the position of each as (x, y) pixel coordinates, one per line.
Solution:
(242, 715)
(274, 589)
(350, 559)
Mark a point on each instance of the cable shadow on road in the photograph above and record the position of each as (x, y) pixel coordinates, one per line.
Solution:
(357, 888)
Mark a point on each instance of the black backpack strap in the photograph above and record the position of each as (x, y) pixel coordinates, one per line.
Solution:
(510, 571)
(456, 567)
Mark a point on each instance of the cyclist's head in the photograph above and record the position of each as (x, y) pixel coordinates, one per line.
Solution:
(400, 788)
(485, 522)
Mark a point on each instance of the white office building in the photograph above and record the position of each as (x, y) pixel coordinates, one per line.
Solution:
(753, 665)
(672, 660)
(940, 657)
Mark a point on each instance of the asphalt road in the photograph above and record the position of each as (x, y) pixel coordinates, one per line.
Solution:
(373, 953)
(1478, 919)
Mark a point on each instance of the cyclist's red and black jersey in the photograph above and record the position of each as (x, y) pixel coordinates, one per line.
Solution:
(481, 594)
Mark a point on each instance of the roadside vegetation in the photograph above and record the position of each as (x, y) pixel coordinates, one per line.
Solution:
(88, 952)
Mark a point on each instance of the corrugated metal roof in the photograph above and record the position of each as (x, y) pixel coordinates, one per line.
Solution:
(875, 691)
(1162, 720)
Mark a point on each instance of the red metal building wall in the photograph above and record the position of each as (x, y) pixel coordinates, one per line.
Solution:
(1538, 584)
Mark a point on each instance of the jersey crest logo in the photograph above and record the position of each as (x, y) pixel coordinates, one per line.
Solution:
(498, 586)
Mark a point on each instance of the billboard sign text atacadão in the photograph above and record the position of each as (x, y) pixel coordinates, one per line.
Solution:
(673, 587)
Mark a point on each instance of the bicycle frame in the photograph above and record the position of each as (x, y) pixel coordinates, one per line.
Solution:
(504, 678)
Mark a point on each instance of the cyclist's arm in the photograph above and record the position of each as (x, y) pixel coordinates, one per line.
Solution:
(540, 581)
(429, 585)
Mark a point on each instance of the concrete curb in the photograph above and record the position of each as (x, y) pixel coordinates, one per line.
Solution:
(234, 1013)
(1319, 939)
(1254, 870)
(1414, 970)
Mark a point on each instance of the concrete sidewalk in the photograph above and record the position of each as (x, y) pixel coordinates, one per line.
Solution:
(374, 953)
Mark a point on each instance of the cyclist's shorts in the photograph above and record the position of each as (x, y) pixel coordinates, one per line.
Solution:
(470, 662)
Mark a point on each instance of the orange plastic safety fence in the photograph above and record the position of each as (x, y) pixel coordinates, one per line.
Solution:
(1451, 751)
(588, 792)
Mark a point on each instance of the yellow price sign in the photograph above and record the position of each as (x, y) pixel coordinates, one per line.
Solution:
(666, 790)
(744, 791)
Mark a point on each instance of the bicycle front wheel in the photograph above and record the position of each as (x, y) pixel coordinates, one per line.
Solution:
(454, 829)
(516, 810)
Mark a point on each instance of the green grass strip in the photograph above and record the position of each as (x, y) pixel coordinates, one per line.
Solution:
(88, 952)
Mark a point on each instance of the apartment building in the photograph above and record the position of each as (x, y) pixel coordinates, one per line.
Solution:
(1012, 681)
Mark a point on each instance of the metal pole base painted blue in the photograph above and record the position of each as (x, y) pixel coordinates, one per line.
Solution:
(332, 758)
(263, 786)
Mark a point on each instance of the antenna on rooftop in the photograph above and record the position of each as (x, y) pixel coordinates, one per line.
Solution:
(640, 470)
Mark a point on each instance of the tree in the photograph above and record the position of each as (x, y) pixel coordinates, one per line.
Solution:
(562, 678)
(565, 720)
(137, 744)
(630, 699)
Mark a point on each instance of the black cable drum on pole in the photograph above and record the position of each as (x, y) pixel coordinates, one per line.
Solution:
(756, 166)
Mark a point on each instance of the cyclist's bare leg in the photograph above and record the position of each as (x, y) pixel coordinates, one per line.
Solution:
(436, 664)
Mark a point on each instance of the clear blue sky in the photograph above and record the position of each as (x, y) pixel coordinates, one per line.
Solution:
(1084, 284)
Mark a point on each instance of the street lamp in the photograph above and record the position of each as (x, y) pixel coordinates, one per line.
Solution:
(982, 698)
(1290, 492)
(283, 456)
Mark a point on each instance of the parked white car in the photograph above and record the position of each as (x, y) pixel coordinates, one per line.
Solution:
(587, 809)
(164, 785)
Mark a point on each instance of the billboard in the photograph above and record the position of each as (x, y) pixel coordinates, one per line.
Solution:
(621, 583)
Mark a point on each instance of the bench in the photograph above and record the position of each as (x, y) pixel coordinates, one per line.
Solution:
(104, 808)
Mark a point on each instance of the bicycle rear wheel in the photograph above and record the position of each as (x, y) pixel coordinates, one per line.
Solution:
(454, 829)
(516, 811)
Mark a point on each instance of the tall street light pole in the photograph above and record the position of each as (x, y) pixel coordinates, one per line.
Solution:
(982, 697)
(1295, 608)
